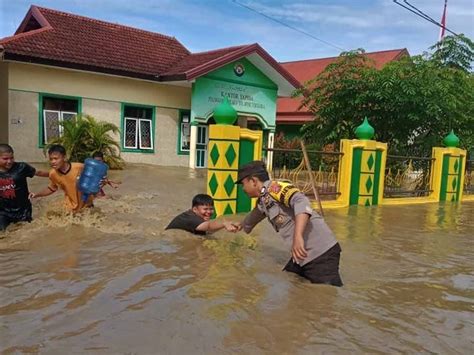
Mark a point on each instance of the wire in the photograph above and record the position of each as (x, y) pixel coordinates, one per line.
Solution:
(289, 26)
(421, 14)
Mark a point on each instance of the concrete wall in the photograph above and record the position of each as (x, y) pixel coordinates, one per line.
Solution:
(102, 96)
(166, 132)
(3, 102)
(23, 135)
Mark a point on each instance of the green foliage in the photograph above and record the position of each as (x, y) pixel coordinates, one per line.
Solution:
(288, 159)
(85, 136)
(412, 103)
(454, 52)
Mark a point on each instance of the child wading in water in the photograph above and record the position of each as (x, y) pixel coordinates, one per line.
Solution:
(105, 181)
(64, 175)
(14, 203)
(197, 220)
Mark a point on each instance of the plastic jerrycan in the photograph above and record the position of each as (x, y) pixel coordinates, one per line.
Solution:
(89, 182)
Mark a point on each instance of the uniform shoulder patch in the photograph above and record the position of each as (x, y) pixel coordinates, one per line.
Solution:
(282, 191)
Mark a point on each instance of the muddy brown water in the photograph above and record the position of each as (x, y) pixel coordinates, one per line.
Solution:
(112, 281)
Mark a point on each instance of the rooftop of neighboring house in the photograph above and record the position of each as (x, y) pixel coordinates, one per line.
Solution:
(305, 70)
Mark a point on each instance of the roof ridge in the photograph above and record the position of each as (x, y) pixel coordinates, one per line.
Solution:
(206, 52)
(313, 59)
(222, 49)
(90, 19)
(7, 39)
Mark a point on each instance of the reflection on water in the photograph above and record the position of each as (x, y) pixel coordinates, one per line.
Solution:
(112, 281)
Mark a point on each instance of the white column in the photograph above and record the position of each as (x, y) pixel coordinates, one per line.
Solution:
(192, 147)
(270, 141)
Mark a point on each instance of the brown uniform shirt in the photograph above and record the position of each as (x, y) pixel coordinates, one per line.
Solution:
(280, 203)
(68, 183)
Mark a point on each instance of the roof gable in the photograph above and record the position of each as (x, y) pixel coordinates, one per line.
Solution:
(199, 64)
(251, 75)
(92, 44)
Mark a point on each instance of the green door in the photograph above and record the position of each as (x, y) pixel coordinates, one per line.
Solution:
(246, 154)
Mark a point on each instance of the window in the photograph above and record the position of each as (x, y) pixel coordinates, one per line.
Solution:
(138, 127)
(184, 132)
(54, 111)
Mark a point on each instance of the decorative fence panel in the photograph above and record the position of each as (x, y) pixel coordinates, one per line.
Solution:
(289, 164)
(407, 176)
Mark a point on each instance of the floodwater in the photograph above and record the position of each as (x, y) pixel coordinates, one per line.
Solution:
(112, 281)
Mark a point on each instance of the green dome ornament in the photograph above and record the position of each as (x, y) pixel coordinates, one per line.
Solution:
(365, 131)
(451, 140)
(224, 113)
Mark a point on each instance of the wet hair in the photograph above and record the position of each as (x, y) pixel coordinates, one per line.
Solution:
(5, 148)
(57, 148)
(202, 200)
(98, 155)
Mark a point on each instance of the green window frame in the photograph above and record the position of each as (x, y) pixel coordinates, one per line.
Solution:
(137, 126)
(184, 132)
(60, 114)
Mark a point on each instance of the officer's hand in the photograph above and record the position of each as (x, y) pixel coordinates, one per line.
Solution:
(229, 227)
(298, 251)
(237, 225)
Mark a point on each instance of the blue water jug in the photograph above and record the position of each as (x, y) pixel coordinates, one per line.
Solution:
(89, 182)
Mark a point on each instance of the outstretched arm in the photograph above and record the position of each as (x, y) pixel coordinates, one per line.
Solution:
(42, 173)
(213, 226)
(114, 184)
(252, 219)
(45, 192)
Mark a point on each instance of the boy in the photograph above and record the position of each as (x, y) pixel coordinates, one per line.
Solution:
(14, 203)
(64, 176)
(105, 181)
(197, 220)
(314, 249)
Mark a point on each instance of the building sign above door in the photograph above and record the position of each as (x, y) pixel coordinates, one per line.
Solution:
(252, 94)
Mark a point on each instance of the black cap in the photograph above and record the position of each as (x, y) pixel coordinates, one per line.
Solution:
(255, 167)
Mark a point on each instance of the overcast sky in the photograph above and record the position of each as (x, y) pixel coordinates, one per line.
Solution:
(208, 24)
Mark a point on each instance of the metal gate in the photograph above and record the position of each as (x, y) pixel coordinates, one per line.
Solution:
(201, 146)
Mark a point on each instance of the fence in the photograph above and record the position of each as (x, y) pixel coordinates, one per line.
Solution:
(407, 176)
(289, 164)
(469, 178)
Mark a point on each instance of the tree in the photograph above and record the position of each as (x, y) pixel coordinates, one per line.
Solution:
(84, 136)
(455, 52)
(412, 103)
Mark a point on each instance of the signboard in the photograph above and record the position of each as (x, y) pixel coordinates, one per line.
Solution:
(247, 98)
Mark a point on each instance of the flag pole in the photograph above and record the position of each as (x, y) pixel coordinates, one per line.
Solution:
(442, 30)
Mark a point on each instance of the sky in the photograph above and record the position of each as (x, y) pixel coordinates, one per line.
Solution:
(201, 25)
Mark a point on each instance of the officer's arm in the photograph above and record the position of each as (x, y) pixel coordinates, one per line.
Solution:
(252, 219)
(302, 209)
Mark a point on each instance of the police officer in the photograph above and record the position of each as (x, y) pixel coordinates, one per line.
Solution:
(315, 251)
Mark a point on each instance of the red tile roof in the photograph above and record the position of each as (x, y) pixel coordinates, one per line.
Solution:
(197, 59)
(57, 38)
(304, 70)
(197, 64)
(75, 40)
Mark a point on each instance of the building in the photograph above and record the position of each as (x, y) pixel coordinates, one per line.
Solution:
(290, 117)
(58, 65)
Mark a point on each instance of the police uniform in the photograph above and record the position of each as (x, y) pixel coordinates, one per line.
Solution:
(280, 202)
